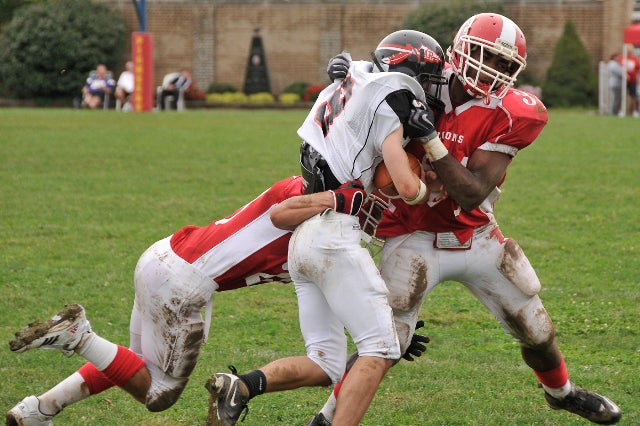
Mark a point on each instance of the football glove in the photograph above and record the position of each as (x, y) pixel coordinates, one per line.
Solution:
(418, 344)
(348, 198)
(338, 66)
(421, 122)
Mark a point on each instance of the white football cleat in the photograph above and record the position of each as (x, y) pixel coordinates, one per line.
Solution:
(27, 413)
(63, 331)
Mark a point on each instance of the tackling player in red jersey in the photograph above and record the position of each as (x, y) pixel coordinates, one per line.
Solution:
(455, 236)
(174, 280)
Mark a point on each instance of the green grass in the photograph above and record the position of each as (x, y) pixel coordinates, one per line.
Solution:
(84, 193)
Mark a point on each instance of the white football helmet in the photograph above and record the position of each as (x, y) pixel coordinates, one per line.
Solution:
(492, 34)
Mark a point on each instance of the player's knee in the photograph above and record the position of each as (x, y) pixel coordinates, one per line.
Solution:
(332, 363)
(164, 390)
(539, 341)
(160, 401)
(515, 266)
(531, 326)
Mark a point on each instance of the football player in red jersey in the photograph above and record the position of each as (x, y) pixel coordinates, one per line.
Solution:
(174, 280)
(455, 236)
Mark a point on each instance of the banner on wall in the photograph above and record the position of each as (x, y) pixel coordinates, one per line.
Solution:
(142, 53)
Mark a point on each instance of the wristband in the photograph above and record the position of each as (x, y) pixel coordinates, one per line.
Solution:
(420, 196)
(434, 148)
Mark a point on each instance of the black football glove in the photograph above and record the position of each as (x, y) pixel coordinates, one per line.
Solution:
(338, 66)
(418, 344)
(421, 122)
(348, 198)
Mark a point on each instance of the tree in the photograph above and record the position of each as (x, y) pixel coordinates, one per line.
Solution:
(48, 48)
(443, 19)
(570, 79)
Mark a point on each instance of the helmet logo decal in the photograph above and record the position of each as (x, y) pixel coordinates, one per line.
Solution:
(423, 53)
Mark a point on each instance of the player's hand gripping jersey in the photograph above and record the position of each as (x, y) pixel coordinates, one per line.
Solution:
(505, 125)
(354, 116)
(244, 248)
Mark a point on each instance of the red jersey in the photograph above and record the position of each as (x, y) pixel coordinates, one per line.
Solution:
(632, 65)
(505, 125)
(244, 248)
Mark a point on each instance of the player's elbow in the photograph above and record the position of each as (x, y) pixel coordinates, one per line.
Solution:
(281, 218)
(407, 188)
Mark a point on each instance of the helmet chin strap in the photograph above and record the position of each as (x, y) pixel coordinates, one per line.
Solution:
(469, 89)
(377, 66)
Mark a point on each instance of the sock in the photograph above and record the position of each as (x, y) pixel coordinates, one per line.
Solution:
(65, 393)
(558, 393)
(98, 351)
(329, 407)
(256, 381)
(95, 379)
(125, 364)
(555, 381)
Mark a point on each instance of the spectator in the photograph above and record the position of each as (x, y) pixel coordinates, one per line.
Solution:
(125, 86)
(174, 85)
(632, 64)
(614, 69)
(99, 84)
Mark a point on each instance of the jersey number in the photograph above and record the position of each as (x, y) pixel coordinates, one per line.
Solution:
(329, 110)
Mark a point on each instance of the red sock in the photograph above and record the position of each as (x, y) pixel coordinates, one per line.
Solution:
(123, 367)
(555, 378)
(336, 388)
(95, 379)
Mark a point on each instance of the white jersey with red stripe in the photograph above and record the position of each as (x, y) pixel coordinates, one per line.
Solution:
(352, 117)
(244, 248)
(505, 125)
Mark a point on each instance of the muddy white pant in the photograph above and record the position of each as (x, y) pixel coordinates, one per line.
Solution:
(338, 286)
(167, 328)
(494, 269)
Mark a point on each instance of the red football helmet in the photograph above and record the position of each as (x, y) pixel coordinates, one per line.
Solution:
(491, 34)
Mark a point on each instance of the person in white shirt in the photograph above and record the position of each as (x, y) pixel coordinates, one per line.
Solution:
(125, 86)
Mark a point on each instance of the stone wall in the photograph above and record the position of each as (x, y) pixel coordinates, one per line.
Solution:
(213, 38)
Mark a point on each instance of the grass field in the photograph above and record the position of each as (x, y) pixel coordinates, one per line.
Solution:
(84, 193)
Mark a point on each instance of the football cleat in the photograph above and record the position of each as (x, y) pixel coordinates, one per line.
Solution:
(63, 331)
(319, 420)
(27, 413)
(231, 395)
(587, 404)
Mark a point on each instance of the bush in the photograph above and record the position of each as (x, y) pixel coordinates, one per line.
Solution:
(227, 98)
(48, 49)
(312, 92)
(289, 98)
(194, 93)
(299, 87)
(262, 98)
(570, 79)
(221, 88)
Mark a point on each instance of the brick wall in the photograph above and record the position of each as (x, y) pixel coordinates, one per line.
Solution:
(213, 38)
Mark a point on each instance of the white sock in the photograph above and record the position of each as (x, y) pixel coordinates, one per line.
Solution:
(65, 393)
(98, 351)
(559, 393)
(329, 407)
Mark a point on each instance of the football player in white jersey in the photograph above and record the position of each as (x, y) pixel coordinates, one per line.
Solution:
(174, 280)
(356, 123)
(455, 236)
